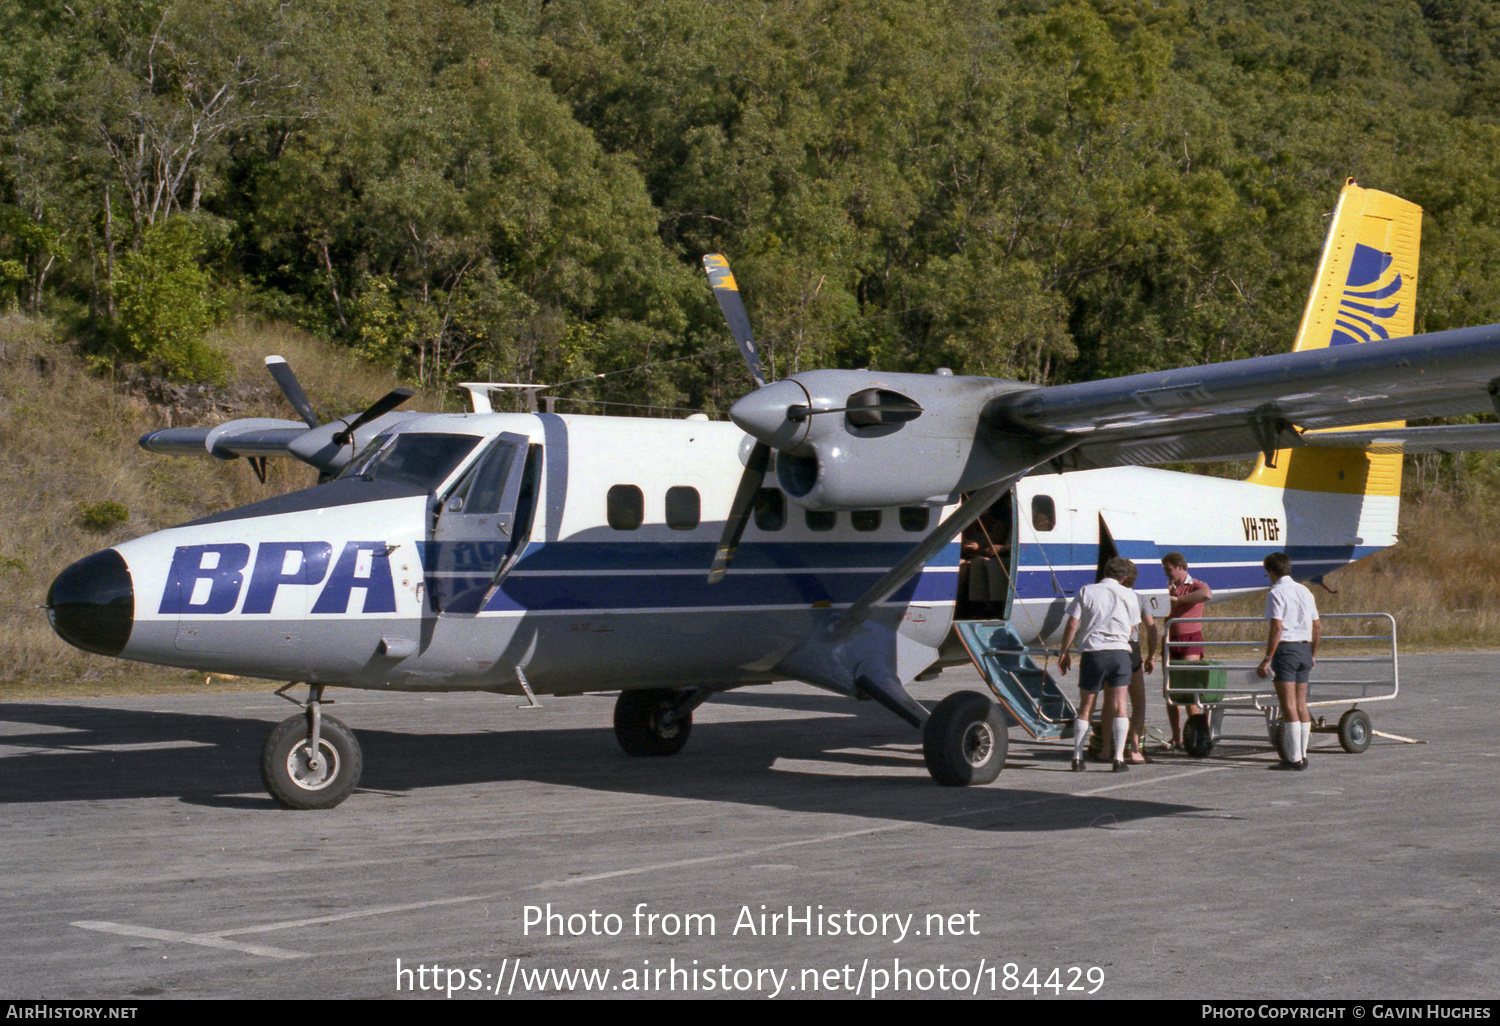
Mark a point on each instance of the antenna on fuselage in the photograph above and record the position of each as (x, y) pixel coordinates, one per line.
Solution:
(479, 394)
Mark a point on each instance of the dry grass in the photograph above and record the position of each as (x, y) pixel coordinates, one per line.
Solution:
(337, 382)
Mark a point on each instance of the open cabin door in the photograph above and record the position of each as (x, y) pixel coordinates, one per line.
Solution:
(483, 525)
(987, 563)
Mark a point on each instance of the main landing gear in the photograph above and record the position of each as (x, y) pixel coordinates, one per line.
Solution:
(964, 741)
(310, 761)
(656, 721)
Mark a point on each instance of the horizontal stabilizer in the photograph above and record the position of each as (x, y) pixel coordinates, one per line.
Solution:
(1441, 438)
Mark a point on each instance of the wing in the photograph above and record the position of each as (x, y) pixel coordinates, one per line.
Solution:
(963, 433)
(1244, 407)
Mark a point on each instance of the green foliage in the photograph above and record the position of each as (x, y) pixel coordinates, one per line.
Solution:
(101, 516)
(1051, 190)
(166, 303)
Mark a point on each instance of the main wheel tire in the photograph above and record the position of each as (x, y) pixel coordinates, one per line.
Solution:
(1355, 731)
(964, 742)
(285, 764)
(1197, 736)
(638, 725)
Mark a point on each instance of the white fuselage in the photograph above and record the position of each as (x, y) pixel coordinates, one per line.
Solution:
(350, 584)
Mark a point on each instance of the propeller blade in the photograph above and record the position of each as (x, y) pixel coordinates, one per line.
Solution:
(379, 408)
(728, 295)
(739, 512)
(281, 371)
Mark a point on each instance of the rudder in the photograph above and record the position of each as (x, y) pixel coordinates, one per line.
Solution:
(1365, 289)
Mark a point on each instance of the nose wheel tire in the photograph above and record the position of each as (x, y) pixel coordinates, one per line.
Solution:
(298, 781)
(639, 727)
(965, 741)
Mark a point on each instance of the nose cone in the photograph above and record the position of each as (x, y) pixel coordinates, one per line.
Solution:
(91, 605)
(763, 414)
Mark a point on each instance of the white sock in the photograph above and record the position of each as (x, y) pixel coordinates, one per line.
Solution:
(1306, 737)
(1080, 739)
(1122, 730)
(1292, 732)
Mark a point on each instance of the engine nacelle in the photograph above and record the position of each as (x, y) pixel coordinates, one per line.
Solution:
(860, 440)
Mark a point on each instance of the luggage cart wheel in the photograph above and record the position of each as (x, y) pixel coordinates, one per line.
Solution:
(1355, 731)
(1197, 736)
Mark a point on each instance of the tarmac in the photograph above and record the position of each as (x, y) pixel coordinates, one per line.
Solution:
(495, 853)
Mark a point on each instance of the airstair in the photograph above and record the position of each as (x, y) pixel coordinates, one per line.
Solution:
(1029, 694)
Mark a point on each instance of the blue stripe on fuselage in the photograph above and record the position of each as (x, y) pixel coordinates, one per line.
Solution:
(576, 556)
(640, 575)
(647, 591)
(1223, 567)
(650, 575)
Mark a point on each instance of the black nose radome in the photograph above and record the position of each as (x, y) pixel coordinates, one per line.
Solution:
(92, 603)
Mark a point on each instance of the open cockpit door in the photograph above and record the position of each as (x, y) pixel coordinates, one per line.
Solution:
(483, 525)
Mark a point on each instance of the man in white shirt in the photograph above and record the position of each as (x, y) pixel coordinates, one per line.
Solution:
(1102, 616)
(1291, 653)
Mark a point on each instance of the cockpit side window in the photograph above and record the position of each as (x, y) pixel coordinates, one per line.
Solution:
(484, 484)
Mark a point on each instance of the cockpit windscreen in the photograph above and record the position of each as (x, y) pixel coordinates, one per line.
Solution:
(414, 458)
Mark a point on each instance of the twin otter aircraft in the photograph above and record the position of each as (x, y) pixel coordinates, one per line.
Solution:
(815, 538)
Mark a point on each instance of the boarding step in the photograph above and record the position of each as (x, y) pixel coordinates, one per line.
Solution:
(1029, 694)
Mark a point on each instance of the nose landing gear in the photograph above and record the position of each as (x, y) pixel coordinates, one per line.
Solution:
(310, 761)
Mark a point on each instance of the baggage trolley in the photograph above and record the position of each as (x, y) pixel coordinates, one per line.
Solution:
(1227, 686)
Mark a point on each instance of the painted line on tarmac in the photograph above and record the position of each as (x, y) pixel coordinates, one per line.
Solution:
(292, 924)
(846, 835)
(705, 859)
(204, 940)
(217, 938)
(1151, 780)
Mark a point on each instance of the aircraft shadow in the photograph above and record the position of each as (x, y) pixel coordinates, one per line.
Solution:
(808, 764)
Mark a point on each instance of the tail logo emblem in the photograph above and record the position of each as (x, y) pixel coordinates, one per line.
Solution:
(1360, 311)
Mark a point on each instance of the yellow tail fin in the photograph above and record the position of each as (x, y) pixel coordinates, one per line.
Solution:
(1366, 288)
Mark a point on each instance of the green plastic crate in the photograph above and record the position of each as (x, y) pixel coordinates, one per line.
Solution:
(1197, 683)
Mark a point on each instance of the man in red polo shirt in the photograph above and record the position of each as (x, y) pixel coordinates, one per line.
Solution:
(1186, 640)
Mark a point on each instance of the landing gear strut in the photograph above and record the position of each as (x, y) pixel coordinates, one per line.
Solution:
(310, 761)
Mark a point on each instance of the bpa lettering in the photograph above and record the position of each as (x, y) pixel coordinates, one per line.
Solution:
(208, 579)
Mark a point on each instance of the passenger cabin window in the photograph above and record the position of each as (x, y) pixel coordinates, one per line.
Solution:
(915, 518)
(1043, 513)
(770, 509)
(625, 507)
(820, 519)
(865, 519)
(424, 460)
(684, 509)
